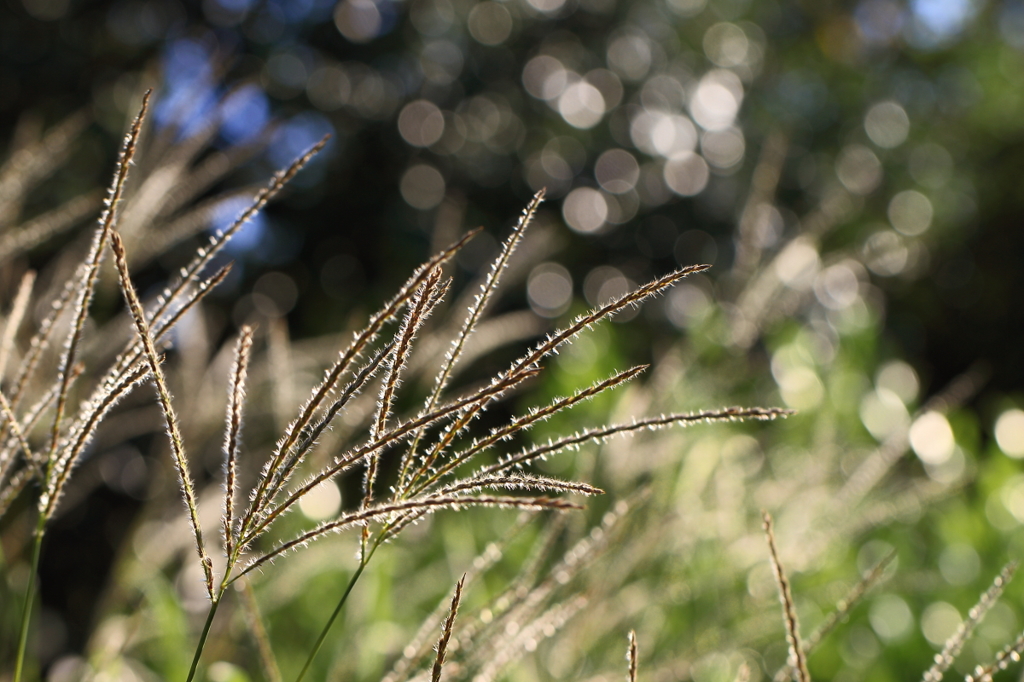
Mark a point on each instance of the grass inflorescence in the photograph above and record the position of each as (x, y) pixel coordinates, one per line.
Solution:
(436, 452)
(407, 433)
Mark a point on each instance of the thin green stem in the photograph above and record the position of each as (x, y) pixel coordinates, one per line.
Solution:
(26, 613)
(202, 638)
(341, 603)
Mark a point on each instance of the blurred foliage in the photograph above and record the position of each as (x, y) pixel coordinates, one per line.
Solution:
(852, 171)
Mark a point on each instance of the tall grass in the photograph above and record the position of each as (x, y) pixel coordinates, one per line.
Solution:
(437, 449)
(393, 416)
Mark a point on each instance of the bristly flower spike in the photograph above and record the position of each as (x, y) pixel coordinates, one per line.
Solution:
(273, 478)
(171, 419)
(232, 435)
(423, 303)
(476, 311)
(90, 270)
(549, 346)
(446, 631)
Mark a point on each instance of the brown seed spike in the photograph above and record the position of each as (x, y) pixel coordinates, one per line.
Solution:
(446, 631)
(90, 271)
(166, 406)
(796, 653)
(232, 436)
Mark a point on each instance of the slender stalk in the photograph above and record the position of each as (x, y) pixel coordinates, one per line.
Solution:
(26, 614)
(271, 671)
(797, 655)
(337, 610)
(202, 639)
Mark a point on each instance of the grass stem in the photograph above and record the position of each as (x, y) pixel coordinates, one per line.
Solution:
(26, 613)
(337, 610)
(202, 639)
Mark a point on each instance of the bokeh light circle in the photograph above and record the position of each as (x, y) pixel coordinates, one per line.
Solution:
(358, 20)
(585, 210)
(421, 123)
(686, 175)
(422, 186)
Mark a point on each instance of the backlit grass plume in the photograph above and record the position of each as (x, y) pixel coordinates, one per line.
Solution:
(45, 464)
(437, 457)
(411, 463)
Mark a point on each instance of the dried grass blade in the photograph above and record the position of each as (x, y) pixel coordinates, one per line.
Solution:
(874, 467)
(852, 598)
(945, 658)
(796, 650)
(10, 490)
(90, 271)
(189, 224)
(563, 336)
(417, 648)
(124, 374)
(631, 656)
(523, 601)
(32, 416)
(259, 633)
(14, 319)
(12, 419)
(213, 168)
(39, 343)
(134, 352)
(446, 631)
(540, 556)
(427, 504)
(164, 395)
(542, 627)
(729, 414)
(310, 437)
(26, 167)
(205, 255)
(418, 313)
(232, 433)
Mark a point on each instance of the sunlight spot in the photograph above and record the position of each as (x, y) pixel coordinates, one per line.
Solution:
(1009, 433)
(887, 124)
(322, 502)
(932, 439)
(939, 620)
(891, 618)
(910, 213)
(549, 289)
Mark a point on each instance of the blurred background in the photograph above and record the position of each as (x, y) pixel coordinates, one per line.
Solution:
(852, 170)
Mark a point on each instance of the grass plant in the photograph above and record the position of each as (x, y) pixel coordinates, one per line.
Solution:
(391, 413)
(439, 467)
